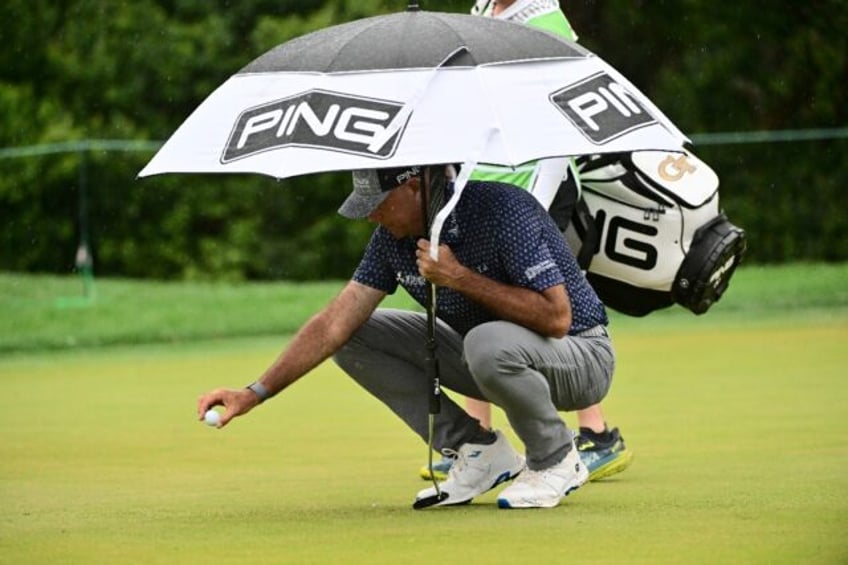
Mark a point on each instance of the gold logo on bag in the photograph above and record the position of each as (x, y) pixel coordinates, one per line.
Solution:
(673, 168)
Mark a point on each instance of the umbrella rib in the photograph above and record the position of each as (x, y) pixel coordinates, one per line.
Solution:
(407, 109)
(459, 40)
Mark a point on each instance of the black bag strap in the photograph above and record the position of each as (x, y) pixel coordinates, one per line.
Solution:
(587, 229)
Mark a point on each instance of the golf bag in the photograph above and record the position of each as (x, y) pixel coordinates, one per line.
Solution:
(649, 232)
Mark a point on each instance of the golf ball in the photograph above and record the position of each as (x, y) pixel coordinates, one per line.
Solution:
(212, 417)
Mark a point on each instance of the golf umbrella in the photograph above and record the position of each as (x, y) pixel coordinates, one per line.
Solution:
(414, 88)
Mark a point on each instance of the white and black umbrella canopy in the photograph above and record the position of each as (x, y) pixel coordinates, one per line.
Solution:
(414, 88)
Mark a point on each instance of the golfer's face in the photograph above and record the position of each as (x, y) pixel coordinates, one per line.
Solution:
(400, 212)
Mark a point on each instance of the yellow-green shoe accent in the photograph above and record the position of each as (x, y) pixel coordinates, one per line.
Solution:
(604, 460)
(440, 469)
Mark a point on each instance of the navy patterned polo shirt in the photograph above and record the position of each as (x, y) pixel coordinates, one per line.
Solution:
(502, 233)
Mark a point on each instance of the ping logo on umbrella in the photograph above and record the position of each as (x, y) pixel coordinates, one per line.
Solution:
(601, 108)
(319, 119)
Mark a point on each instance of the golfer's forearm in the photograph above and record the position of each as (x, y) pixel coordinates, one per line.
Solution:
(322, 336)
(309, 348)
(519, 305)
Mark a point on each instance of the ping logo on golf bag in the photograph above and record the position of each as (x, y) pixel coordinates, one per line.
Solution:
(601, 108)
(317, 118)
(623, 244)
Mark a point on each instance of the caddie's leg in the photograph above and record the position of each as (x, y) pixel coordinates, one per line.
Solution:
(387, 357)
(532, 377)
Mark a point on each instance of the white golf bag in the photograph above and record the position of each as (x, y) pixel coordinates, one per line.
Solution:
(649, 232)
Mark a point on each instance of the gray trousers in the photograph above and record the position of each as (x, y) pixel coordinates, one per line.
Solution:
(529, 376)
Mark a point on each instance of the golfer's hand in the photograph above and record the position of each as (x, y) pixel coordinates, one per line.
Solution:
(447, 271)
(235, 402)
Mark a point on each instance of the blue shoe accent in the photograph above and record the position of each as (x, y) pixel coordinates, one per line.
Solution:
(603, 460)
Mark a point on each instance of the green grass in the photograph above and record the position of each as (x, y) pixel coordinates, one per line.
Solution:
(736, 418)
(49, 312)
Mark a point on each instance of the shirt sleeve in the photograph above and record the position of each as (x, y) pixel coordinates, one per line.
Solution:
(522, 244)
(375, 269)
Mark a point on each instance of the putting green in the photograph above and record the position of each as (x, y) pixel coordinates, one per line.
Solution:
(738, 434)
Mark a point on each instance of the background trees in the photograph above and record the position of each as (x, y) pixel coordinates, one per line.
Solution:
(87, 69)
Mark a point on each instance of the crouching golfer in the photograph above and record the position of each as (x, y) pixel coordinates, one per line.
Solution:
(518, 325)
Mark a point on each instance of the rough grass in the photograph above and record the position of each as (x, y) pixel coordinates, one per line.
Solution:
(48, 312)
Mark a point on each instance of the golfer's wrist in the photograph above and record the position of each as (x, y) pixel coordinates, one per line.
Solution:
(259, 390)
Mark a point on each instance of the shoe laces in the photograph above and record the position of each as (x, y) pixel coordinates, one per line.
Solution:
(461, 465)
(459, 461)
(449, 453)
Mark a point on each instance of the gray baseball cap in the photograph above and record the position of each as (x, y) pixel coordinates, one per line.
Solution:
(371, 187)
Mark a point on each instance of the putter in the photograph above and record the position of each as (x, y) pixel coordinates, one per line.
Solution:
(428, 202)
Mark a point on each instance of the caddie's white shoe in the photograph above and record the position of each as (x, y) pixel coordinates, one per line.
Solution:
(477, 469)
(547, 487)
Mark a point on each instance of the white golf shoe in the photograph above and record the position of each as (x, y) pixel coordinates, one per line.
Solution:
(477, 469)
(547, 487)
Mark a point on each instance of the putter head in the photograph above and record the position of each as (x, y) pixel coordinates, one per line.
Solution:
(429, 501)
